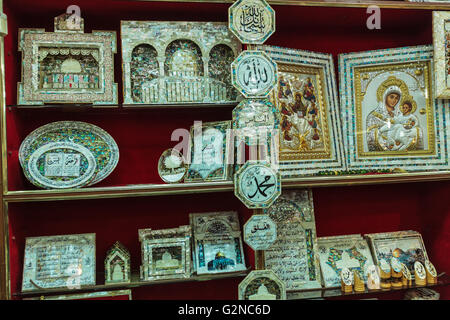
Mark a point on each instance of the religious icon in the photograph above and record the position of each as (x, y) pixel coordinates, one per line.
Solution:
(177, 62)
(306, 99)
(257, 185)
(67, 66)
(252, 21)
(217, 242)
(117, 264)
(262, 285)
(254, 74)
(381, 105)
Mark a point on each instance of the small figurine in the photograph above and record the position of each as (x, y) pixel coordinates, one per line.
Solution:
(385, 275)
(420, 275)
(346, 280)
(117, 265)
(373, 278)
(359, 282)
(431, 272)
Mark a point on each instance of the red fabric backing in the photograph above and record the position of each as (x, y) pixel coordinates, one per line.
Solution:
(142, 135)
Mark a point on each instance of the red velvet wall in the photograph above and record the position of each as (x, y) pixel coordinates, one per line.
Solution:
(142, 135)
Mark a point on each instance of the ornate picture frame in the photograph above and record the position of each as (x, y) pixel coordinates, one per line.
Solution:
(67, 66)
(293, 256)
(210, 152)
(59, 261)
(306, 97)
(406, 246)
(168, 62)
(441, 36)
(166, 253)
(338, 252)
(217, 242)
(390, 116)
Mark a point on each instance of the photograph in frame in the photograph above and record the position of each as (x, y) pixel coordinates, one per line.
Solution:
(390, 116)
(306, 97)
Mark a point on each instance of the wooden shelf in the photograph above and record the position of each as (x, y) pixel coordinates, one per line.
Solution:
(145, 190)
(135, 283)
(443, 280)
(339, 3)
(87, 107)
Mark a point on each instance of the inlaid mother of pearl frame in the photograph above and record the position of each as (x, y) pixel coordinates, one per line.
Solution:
(103, 45)
(441, 36)
(366, 81)
(312, 125)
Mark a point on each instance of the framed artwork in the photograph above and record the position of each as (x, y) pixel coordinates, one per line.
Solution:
(118, 264)
(166, 254)
(441, 37)
(405, 246)
(67, 65)
(210, 148)
(59, 261)
(293, 256)
(217, 242)
(391, 118)
(166, 62)
(262, 285)
(338, 252)
(100, 295)
(306, 98)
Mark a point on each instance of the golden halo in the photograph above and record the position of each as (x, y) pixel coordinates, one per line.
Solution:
(409, 99)
(391, 81)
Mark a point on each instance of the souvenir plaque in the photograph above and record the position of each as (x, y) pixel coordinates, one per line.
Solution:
(251, 21)
(101, 295)
(406, 246)
(257, 185)
(391, 118)
(210, 152)
(349, 251)
(254, 74)
(420, 275)
(293, 256)
(255, 117)
(178, 62)
(373, 278)
(166, 253)
(59, 261)
(306, 98)
(262, 285)
(85, 135)
(67, 66)
(441, 36)
(59, 165)
(260, 231)
(171, 166)
(118, 264)
(217, 242)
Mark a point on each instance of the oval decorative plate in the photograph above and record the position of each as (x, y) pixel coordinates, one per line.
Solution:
(59, 165)
(97, 140)
(172, 166)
